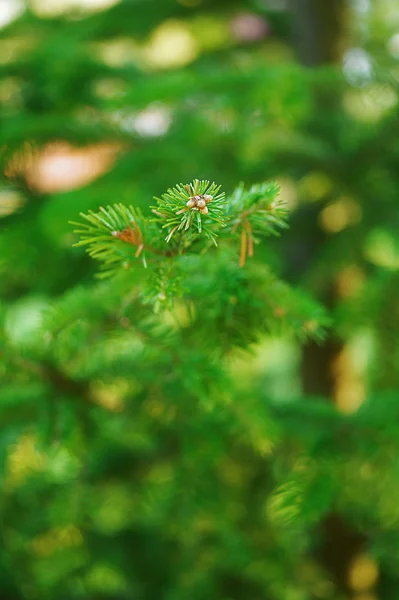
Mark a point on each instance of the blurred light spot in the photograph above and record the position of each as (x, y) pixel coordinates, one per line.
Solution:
(210, 32)
(393, 45)
(370, 104)
(349, 396)
(154, 121)
(10, 92)
(361, 6)
(56, 539)
(288, 192)
(24, 319)
(109, 396)
(315, 186)
(54, 8)
(62, 466)
(349, 393)
(363, 573)
(276, 361)
(10, 202)
(23, 460)
(249, 27)
(349, 280)
(13, 48)
(109, 88)
(171, 45)
(357, 66)
(106, 579)
(263, 444)
(220, 119)
(387, 14)
(361, 348)
(117, 52)
(94, 5)
(124, 120)
(161, 473)
(113, 509)
(382, 249)
(335, 217)
(10, 10)
(61, 167)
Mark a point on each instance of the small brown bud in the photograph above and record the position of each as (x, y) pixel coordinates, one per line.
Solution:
(204, 211)
(201, 203)
(208, 198)
(191, 203)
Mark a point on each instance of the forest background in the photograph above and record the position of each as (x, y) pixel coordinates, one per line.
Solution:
(218, 426)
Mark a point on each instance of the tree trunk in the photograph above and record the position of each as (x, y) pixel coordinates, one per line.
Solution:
(319, 30)
(319, 34)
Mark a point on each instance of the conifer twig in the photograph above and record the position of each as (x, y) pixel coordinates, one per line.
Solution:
(188, 212)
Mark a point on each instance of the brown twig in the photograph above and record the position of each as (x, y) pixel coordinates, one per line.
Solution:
(243, 251)
(134, 237)
(130, 235)
(250, 238)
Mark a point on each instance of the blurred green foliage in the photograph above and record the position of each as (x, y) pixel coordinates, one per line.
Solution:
(201, 449)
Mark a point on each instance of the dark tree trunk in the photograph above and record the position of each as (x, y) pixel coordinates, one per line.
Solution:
(319, 35)
(319, 30)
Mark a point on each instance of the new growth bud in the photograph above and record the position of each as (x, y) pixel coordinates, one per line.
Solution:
(199, 202)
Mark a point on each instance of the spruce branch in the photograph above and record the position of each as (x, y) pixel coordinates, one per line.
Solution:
(198, 206)
(258, 211)
(118, 235)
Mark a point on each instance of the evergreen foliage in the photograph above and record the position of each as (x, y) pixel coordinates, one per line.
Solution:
(186, 211)
(206, 410)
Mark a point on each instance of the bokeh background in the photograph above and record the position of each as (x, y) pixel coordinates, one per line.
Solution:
(114, 101)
